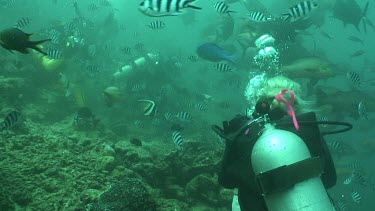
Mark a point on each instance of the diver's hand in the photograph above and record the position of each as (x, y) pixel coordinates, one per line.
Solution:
(234, 124)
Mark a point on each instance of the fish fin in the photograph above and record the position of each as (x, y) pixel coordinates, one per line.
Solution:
(231, 59)
(229, 12)
(286, 16)
(6, 47)
(152, 13)
(364, 26)
(24, 51)
(365, 9)
(193, 7)
(34, 45)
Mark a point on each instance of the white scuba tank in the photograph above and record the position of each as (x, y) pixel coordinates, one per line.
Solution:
(276, 148)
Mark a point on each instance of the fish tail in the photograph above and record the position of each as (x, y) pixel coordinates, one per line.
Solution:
(232, 59)
(286, 16)
(34, 45)
(193, 7)
(364, 26)
(229, 13)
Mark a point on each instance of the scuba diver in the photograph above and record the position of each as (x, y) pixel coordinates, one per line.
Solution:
(257, 189)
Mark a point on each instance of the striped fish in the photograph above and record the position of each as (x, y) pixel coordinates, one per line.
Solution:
(189, 105)
(122, 27)
(8, 3)
(342, 206)
(92, 69)
(222, 8)
(70, 26)
(300, 11)
(339, 148)
(156, 25)
(54, 35)
(200, 107)
(357, 198)
(222, 67)
(178, 140)
(139, 46)
(355, 79)
(93, 7)
(358, 178)
(138, 87)
(158, 8)
(168, 116)
(126, 50)
(184, 116)
(10, 120)
(356, 166)
(193, 58)
(139, 124)
(23, 22)
(53, 53)
(259, 17)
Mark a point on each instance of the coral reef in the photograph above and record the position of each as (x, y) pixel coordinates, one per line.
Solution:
(129, 194)
(57, 168)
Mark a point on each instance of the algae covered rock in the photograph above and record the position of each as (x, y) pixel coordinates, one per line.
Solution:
(90, 195)
(10, 83)
(107, 162)
(129, 194)
(203, 188)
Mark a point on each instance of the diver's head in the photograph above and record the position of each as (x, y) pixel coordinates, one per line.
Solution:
(267, 103)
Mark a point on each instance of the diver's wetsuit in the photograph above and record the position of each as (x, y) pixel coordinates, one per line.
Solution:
(237, 171)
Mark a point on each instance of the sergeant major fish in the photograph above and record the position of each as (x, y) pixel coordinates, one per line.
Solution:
(222, 7)
(156, 25)
(222, 67)
(259, 17)
(23, 22)
(355, 79)
(10, 120)
(184, 116)
(300, 11)
(158, 8)
(178, 140)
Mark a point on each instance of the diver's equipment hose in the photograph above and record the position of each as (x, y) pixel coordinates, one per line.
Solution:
(348, 126)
